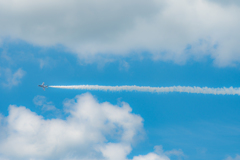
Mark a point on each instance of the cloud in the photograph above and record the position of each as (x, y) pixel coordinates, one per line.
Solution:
(123, 65)
(159, 154)
(41, 101)
(84, 134)
(236, 158)
(226, 2)
(91, 131)
(169, 30)
(116, 151)
(150, 156)
(11, 79)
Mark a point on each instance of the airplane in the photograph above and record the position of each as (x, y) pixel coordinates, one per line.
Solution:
(43, 86)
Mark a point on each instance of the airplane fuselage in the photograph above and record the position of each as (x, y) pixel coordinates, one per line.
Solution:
(43, 86)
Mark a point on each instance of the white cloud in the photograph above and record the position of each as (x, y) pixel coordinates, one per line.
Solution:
(83, 135)
(91, 131)
(159, 154)
(114, 151)
(236, 158)
(11, 79)
(151, 156)
(168, 29)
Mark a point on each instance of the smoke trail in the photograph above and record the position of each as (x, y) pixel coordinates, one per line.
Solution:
(187, 89)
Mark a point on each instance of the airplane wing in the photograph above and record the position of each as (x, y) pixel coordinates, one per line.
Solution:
(43, 89)
(42, 83)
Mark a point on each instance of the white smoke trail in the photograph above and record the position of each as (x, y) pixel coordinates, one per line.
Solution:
(187, 89)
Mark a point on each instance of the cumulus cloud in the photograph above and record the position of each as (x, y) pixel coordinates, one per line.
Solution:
(11, 79)
(84, 134)
(168, 29)
(91, 131)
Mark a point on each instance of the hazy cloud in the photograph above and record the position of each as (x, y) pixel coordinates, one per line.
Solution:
(226, 2)
(123, 65)
(41, 101)
(10, 79)
(236, 158)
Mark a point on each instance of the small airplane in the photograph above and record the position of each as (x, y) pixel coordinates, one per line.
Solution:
(43, 86)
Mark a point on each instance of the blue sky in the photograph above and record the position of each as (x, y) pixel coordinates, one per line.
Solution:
(130, 46)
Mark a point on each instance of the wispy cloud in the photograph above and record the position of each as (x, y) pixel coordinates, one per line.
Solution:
(186, 89)
(42, 102)
(236, 158)
(11, 79)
